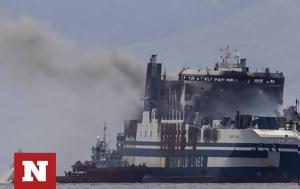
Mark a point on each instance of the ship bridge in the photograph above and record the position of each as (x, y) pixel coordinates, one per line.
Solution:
(230, 61)
(232, 69)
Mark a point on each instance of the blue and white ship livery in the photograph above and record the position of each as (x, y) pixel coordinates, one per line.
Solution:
(221, 125)
(225, 124)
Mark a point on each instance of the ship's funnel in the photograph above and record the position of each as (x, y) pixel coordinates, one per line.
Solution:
(152, 88)
(153, 58)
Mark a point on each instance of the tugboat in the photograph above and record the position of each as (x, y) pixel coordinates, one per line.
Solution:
(106, 165)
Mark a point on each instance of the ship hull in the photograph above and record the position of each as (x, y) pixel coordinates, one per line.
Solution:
(109, 175)
(184, 175)
(223, 175)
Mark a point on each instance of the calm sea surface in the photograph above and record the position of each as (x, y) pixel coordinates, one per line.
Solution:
(170, 186)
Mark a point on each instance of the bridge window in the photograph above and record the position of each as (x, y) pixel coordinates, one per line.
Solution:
(258, 81)
(271, 81)
(229, 79)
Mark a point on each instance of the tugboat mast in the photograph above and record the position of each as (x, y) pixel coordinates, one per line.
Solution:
(104, 132)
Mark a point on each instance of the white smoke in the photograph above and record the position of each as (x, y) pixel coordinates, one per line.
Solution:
(55, 97)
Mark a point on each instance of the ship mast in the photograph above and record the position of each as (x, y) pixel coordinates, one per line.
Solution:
(104, 132)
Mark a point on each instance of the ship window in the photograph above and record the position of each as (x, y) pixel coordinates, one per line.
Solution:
(258, 81)
(229, 79)
(272, 81)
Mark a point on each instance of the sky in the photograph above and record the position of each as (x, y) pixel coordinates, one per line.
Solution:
(62, 61)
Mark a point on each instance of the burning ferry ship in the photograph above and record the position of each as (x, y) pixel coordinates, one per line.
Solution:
(218, 125)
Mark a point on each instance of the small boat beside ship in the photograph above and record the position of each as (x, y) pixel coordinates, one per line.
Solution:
(106, 166)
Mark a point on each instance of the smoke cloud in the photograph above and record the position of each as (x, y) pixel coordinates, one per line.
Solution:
(55, 97)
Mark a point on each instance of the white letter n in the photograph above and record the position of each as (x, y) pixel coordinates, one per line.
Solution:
(30, 167)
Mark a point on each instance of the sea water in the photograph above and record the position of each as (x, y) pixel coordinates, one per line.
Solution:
(170, 186)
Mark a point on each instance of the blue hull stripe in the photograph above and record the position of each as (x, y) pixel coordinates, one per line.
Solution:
(253, 145)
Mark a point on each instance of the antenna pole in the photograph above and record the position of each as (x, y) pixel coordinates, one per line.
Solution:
(297, 104)
(104, 132)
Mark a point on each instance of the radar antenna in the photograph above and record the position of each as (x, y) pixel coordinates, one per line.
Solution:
(230, 59)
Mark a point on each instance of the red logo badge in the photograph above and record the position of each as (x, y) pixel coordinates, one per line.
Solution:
(35, 171)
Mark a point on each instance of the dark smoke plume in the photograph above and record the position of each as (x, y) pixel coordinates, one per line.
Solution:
(55, 97)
